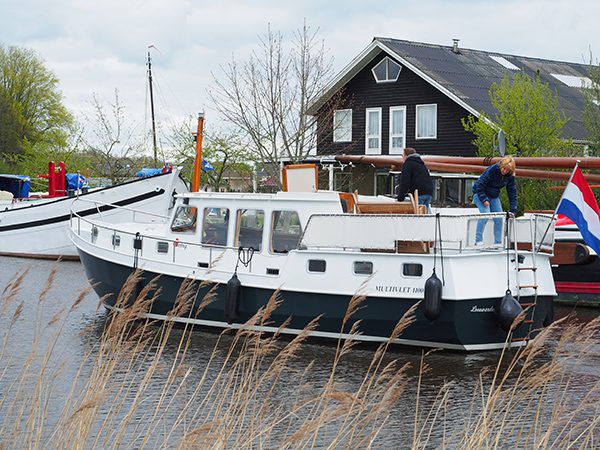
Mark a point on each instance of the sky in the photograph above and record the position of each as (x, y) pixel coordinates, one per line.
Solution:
(95, 47)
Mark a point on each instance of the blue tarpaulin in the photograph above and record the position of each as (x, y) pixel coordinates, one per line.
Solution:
(18, 185)
(76, 181)
(148, 172)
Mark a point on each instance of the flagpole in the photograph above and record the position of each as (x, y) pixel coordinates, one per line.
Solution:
(557, 205)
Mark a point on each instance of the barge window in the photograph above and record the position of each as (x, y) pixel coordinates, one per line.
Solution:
(317, 265)
(185, 219)
(249, 230)
(215, 226)
(412, 270)
(373, 131)
(285, 231)
(363, 267)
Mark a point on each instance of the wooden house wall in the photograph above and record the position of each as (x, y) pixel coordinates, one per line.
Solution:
(409, 90)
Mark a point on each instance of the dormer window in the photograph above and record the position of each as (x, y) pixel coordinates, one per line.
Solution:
(387, 71)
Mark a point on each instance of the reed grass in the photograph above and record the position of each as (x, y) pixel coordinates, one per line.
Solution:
(142, 386)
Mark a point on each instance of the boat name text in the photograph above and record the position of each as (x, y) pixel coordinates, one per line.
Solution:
(477, 309)
(399, 289)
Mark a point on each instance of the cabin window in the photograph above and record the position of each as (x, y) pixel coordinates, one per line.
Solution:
(397, 129)
(373, 131)
(386, 71)
(285, 231)
(185, 219)
(317, 265)
(363, 267)
(342, 125)
(412, 270)
(249, 230)
(215, 226)
(426, 127)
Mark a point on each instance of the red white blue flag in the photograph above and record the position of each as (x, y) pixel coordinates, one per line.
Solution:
(579, 204)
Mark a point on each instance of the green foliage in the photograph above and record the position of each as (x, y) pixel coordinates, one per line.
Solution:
(591, 111)
(230, 159)
(527, 112)
(32, 116)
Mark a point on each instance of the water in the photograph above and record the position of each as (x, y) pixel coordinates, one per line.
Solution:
(82, 330)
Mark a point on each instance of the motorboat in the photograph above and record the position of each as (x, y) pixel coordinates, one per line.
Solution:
(317, 252)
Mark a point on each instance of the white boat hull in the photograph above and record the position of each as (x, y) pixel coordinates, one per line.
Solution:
(40, 229)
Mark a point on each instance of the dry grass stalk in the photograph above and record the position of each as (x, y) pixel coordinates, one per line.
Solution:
(141, 387)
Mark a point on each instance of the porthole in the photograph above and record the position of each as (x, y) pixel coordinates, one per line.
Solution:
(363, 267)
(412, 270)
(317, 265)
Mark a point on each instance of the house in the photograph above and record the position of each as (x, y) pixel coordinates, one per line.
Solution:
(399, 93)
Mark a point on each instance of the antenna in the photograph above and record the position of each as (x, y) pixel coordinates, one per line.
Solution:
(152, 109)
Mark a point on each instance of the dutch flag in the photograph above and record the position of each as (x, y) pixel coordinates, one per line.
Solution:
(579, 204)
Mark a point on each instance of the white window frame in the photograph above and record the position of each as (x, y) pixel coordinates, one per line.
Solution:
(387, 61)
(337, 127)
(377, 150)
(417, 121)
(395, 150)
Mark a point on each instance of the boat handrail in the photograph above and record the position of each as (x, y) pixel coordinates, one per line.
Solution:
(393, 232)
(112, 206)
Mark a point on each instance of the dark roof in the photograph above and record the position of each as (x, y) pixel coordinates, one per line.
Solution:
(466, 75)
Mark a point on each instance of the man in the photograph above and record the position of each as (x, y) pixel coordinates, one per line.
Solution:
(415, 176)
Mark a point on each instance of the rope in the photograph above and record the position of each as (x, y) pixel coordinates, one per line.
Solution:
(244, 257)
(438, 238)
(506, 234)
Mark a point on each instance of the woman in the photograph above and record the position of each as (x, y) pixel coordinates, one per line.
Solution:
(486, 194)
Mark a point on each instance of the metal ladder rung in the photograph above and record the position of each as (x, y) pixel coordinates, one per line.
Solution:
(528, 286)
(528, 268)
(527, 305)
(528, 321)
(520, 339)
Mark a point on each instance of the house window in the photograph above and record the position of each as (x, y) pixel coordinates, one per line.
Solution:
(342, 125)
(373, 127)
(426, 122)
(386, 71)
(397, 129)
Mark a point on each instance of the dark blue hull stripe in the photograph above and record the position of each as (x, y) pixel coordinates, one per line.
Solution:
(461, 323)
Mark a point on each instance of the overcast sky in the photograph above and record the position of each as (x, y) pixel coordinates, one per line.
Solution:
(97, 46)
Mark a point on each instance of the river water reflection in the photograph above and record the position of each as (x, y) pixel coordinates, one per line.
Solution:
(84, 326)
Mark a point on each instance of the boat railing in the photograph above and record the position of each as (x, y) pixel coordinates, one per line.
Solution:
(410, 233)
(101, 207)
(172, 249)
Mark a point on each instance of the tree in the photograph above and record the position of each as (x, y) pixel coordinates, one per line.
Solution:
(32, 115)
(591, 110)
(527, 112)
(266, 97)
(223, 151)
(115, 146)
